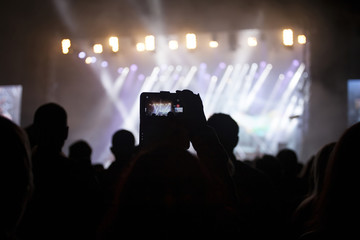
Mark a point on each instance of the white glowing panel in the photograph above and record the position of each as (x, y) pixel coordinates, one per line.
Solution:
(10, 102)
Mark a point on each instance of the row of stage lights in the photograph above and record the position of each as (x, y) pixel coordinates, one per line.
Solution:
(191, 43)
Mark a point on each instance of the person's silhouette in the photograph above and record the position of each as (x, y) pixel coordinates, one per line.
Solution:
(292, 189)
(16, 177)
(254, 187)
(90, 190)
(337, 206)
(55, 209)
(123, 147)
(306, 208)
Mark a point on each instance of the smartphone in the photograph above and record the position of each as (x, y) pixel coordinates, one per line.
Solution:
(155, 111)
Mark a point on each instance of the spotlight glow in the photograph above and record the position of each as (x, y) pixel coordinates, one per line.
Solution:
(288, 37)
(82, 55)
(173, 44)
(140, 47)
(190, 41)
(65, 44)
(133, 67)
(98, 48)
(302, 39)
(150, 43)
(104, 64)
(252, 41)
(114, 43)
(213, 44)
(88, 60)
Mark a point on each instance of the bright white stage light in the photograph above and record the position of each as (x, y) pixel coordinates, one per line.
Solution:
(302, 39)
(65, 45)
(140, 47)
(190, 41)
(114, 43)
(133, 67)
(213, 44)
(98, 48)
(104, 64)
(82, 55)
(150, 43)
(88, 60)
(252, 41)
(173, 44)
(288, 37)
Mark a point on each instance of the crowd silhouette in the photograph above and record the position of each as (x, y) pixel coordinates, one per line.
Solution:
(163, 190)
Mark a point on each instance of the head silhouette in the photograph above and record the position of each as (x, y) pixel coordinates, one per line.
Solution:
(50, 123)
(123, 144)
(226, 128)
(81, 152)
(289, 161)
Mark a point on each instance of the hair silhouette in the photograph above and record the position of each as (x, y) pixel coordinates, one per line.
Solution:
(16, 176)
(338, 202)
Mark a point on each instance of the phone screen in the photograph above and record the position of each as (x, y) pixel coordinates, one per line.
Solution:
(154, 109)
(161, 104)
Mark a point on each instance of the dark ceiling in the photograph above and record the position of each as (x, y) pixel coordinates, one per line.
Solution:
(92, 18)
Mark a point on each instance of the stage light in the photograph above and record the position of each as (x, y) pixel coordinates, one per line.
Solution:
(98, 48)
(88, 60)
(296, 62)
(140, 47)
(82, 55)
(213, 44)
(150, 43)
(65, 44)
(114, 44)
(190, 41)
(104, 64)
(302, 39)
(133, 67)
(173, 44)
(288, 37)
(252, 41)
